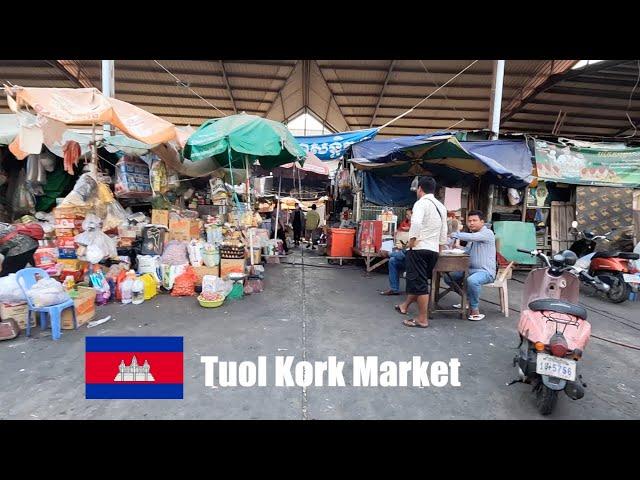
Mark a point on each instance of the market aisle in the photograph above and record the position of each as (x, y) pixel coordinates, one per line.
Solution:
(341, 314)
(346, 317)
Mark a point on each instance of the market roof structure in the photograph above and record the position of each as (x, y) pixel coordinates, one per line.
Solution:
(539, 96)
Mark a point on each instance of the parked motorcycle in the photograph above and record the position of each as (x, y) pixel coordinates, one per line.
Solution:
(553, 329)
(608, 267)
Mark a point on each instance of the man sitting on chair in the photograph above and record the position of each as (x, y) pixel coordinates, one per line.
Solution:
(481, 247)
(397, 256)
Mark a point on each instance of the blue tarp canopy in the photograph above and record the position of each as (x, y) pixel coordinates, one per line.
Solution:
(441, 155)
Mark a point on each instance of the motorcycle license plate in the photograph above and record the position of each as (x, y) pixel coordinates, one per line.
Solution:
(556, 367)
(631, 277)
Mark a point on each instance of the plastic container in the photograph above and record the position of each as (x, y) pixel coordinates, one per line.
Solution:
(210, 304)
(137, 292)
(150, 286)
(126, 288)
(340, 243)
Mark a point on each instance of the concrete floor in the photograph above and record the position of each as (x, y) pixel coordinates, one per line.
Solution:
(314, 312)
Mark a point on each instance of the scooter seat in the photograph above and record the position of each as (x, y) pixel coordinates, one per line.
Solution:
(559, 306)
(623, 255)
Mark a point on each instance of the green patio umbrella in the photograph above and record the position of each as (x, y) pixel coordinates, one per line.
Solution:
(238, 140)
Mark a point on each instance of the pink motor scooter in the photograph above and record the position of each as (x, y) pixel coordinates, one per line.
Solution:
(553, 329)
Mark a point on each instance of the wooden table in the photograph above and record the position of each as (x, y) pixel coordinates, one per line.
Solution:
(369, 258)
(448, 263)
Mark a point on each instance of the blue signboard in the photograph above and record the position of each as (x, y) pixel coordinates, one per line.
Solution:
(331, 147)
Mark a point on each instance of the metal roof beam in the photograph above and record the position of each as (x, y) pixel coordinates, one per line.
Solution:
(73, 71)
(169, 83)
(279, 94)
(581, 105)
(367, 68)
(588, 92)
(190, 96)
(595, 116)
(333, 96)
(226, 81)
(180, 72)
(384, 86)
(410, 95)
(559, 72)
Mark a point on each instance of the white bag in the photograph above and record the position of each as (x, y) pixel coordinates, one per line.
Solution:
(46, 292)
(10, 291)
(209, 284)
(149, 264)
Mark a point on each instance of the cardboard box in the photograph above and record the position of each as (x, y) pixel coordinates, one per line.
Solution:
(17, 311)
(127, 232)
(160, 217)
(72, 264)
(85, 307)
(66, 242)
(228, 266)
(202, 271)
(184, 229)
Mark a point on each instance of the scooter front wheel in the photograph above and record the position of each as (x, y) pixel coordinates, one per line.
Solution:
(546, 399)
(619, 289)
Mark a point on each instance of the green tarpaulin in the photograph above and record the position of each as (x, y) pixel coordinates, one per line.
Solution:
(243, 138)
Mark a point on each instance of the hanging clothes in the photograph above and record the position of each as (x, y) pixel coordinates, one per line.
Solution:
(72, 153)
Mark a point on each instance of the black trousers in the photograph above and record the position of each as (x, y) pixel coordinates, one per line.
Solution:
(297, 233)
(17, 262)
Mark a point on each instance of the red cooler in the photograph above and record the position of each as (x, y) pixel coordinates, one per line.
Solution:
(340, 242)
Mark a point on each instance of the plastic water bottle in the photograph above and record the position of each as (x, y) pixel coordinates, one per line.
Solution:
(137, 292)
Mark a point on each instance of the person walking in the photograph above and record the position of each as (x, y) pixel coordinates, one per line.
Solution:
(311, 224)
(427, 238)
(298, 225)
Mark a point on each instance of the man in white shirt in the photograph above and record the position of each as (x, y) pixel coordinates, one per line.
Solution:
(427, 238)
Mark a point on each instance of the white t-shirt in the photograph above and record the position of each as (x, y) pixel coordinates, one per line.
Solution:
(429, 224)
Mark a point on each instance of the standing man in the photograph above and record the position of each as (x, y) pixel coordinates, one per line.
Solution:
(311, 224)
(298, 224)
(481, 247)
(427, 237)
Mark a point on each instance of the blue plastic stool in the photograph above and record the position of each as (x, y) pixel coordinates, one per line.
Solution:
(26, 279)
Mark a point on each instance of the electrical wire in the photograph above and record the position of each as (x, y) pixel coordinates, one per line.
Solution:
(462, 119)
(635, 129)
(185, 85)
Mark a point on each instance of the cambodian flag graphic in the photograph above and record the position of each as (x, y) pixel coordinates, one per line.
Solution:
(134, 367)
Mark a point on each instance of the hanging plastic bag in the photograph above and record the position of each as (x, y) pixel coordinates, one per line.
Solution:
(158, 175)
(48, 161)
(185, 284)
(115, 216)
(414, 184)
(46, 292)
(23, 201)
(84, 192)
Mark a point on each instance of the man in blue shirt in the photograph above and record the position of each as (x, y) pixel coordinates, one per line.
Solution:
(481, 247)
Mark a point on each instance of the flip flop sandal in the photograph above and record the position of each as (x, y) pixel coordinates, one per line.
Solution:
(475, 318)
(413, 323)
(389, 293)
(397, 309)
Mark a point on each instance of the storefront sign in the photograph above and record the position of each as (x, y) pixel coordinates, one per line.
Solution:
(330, 147)
(587, 166)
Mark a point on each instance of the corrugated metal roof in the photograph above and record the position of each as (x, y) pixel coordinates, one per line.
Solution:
(349, 94)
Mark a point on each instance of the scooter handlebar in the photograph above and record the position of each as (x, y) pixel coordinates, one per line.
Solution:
(522, 250)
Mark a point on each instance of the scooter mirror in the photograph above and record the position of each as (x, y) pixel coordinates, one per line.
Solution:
(573, 231)
(574, 224)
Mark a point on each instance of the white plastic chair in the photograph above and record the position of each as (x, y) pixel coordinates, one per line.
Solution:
(501, 283)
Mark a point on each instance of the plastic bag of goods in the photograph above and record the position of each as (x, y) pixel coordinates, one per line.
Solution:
(114, 216)
(46, 292)
(210, 255)
(137, 291)
(84, 192)
(10, 291)
(132, 178)
(169, 274)
(185, 284)
(217, 285)
(101, 285)
(149, 264)
(195, 252)
(153, 240)
(255, 284)
(209, 283)
(159, 177)
(98, 245)
(175, 253)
